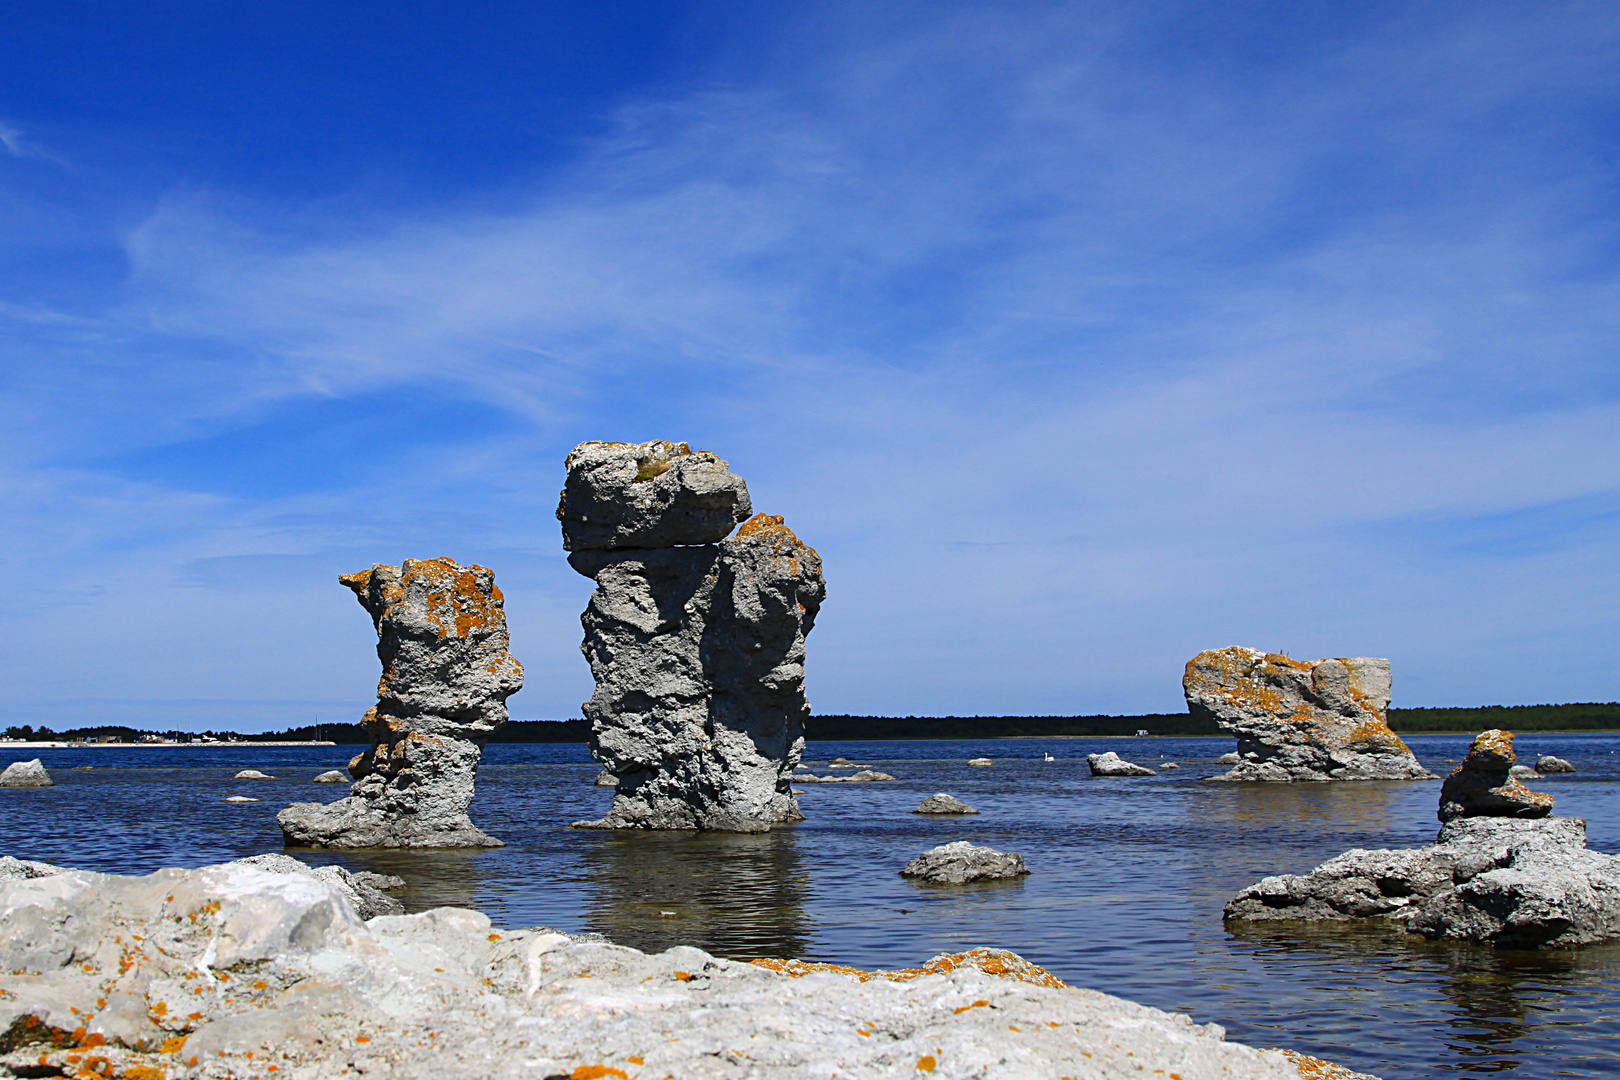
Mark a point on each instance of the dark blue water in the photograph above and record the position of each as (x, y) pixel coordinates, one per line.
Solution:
(1128, 879)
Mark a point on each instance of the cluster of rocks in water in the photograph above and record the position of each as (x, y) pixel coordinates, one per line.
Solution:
(695, 637)
(261, 970)
(1502, 870)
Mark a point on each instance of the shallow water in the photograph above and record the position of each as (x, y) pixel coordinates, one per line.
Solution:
(1129, 876)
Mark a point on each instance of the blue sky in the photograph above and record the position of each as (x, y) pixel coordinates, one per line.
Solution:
(1078, 337)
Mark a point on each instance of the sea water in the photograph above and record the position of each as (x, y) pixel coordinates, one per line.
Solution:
(1128, 878)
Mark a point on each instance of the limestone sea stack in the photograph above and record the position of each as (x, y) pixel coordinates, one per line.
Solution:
(1500, 871)
(696, 641)
(1301, 719)
(447, 672)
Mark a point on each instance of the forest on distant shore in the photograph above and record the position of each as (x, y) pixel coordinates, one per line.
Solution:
(1594, 716)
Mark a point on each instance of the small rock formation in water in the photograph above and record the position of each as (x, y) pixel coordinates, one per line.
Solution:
(1484, 784)
(291, 975)
(26, 774)
(696, 641)
(332, 776)
(240, 798)
(253, 774)
(1111, 764)
(943, 804)
(961, 862)
(1549, 764)
(447, 672)
(981, 762)
(1495, 874)
(1229, 758)
(1301, 719)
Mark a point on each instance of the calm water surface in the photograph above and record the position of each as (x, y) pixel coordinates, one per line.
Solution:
(1128, 879)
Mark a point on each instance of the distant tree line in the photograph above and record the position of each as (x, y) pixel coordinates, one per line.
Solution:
(1589, 716)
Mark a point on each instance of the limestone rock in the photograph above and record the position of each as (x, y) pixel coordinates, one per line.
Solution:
(1549, 764)
(26, 774)
(1523, 772)
(20, 869)
(605, 779)
(698, 654)
(253, 774)
(961, 862)
(447, 672)
(653, 495)
(331, 776)
(1483, 785)
(943, 804)
(981, 762)
(363, 891)
(280, 966)
(869, 776)
(1111, 764)
(1301, 720)
(1168, 765)
(1230, 758)
(1515, 883)
(240, 798)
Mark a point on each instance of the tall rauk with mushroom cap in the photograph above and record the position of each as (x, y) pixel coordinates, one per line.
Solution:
(696, 641)
(1301, 719)
(447, 672)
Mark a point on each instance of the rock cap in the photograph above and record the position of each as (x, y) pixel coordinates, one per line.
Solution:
(648, 495)
(1483, 785)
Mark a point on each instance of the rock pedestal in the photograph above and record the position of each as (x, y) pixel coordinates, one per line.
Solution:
(1301, 719)
(447, 672)
(1483, 785)
(696, 641)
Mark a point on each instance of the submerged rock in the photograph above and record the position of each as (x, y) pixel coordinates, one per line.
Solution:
(981, 762)
(289, 974)
(331, 776)
(1111, 764)
(447, 672)
(961, 862)
(1484, 784)
(698, 652)
(943, 804)
(240, 798)
(1500, 871)
(1549, 764)
(253, 774)
(1298, 719)
(26, 774)
(868, 776)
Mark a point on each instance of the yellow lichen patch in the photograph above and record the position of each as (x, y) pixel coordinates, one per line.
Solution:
(926, 1063)
(173, 1044)
(146, 1072)
(977, 1004)
(597, 1072)
(997, 962)
(1313, 1068)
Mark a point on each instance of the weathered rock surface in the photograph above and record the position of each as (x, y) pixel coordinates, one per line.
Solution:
(363, 890)
(961, 862)
(943, 804)
(652, 495)
(981, 762)
(1523, 772)
(698, 652)
(1549, 764)
(332, 776)
(26, 774)
(1301, 720)
(447, 672)
(1484, 784)
(19, 869)
(263, 976)
(1514, 883)
(254, 774)
(1230, 758)
(1111, 764)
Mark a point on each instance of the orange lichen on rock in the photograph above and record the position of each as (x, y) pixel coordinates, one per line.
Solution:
(1484, 786)
(998, 962)
(1314, 1068)
(597, 1072)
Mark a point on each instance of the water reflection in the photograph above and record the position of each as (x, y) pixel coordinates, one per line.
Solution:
(437, 877)
(735, 895)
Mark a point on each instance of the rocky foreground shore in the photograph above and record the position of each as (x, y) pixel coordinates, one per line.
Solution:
(240, 971)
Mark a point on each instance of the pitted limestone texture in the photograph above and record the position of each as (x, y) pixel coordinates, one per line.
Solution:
(698, 654)
(1301, 719)
(447, 672)
(1484, 784)
(649, 495)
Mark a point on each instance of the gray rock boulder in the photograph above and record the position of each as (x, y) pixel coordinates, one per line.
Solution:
(280, 966)
(1523, 772)
(1301, 720)
(447, 672)
(1549, 764)
(26, 774)
(363, 891)
(652, 495)
(866, 776)
(1111, 764)
(961, 862)
(1514, 883)
(981, 762)
(240, 799)
(1484, 784)
(332, 776)
(252, 774)
(1229, 758)
(943, 804)
(605, 779)
(698, 654)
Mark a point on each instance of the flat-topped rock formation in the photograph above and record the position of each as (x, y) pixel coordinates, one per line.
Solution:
(237, 970)
(1484, 784)
(1496, 873)
(1301, 719)
(447, 672)
(697, 651)
(1111, 764)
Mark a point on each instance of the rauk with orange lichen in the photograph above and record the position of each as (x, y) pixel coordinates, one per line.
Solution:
(447, 672)
(1301, 720)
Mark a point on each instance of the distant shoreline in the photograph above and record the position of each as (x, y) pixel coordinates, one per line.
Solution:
(6, 744)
